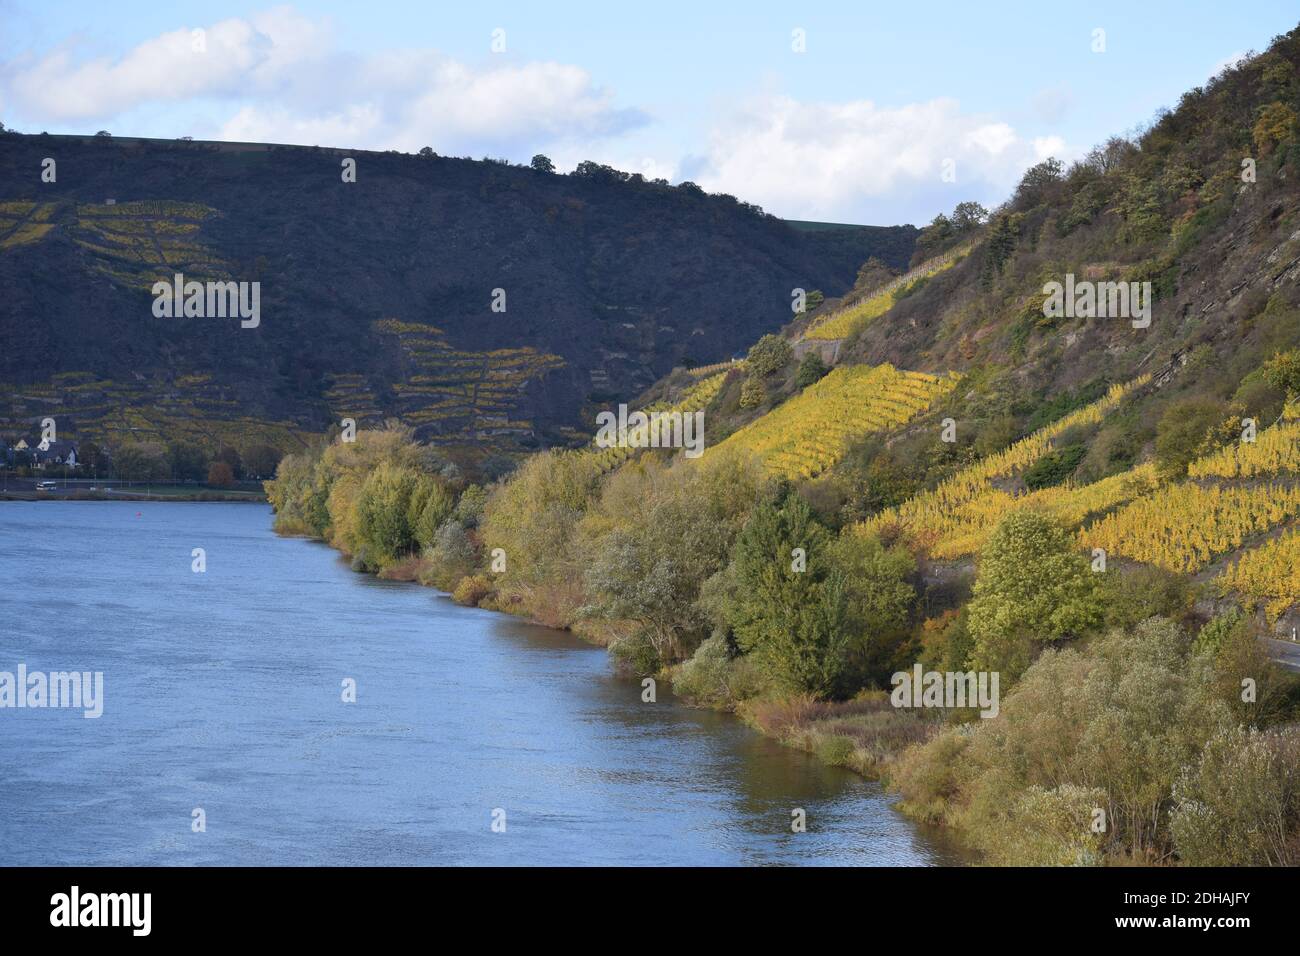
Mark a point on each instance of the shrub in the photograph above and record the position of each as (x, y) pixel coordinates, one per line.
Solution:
(471, 589)
(835, 750)
(636, 654)
(811, 369)
(767, 355)
(1054, 467)
(713, 677)
(1240, 804)
(752, 393)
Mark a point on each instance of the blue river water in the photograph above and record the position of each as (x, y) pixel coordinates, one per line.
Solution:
(223, 693)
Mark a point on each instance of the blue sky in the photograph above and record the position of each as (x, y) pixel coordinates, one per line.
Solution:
(858, 128)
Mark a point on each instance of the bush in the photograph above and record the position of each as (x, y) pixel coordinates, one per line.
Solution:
(471, 590)
(636, 654)
(1045, 827)
(835, 750)
(1184, 434)
(712, 677)
(811, 369)
(767, 355)
(1054, 467)
(752, 393)
(1240, 804)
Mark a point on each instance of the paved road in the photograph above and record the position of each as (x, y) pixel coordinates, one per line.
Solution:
(1285, 653)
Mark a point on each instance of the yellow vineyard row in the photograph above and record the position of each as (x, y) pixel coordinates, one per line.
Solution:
(1269, 573)
(811, 432)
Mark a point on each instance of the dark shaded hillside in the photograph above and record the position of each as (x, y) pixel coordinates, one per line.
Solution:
(375, 295)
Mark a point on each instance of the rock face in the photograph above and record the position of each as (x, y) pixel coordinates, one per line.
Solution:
(486, 305)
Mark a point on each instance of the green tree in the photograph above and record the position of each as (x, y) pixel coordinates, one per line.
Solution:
(752, 392)
(188, 462)
(260, 460)
(767, 355)
(1181, 435)
(430, 505)
(383, 513)
(811, 369)
(141, 461)
(1282, 371)
(791, 611)
(969, 216)
(1031, 587)
(542, 164)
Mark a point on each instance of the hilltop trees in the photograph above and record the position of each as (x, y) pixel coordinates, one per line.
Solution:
(943, 232)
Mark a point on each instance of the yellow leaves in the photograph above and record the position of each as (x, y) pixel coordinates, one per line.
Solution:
(1270, 572)
(844, 322)
(955, 518)
(693, 400)
(1274, 450)
(22, 223)
(1184, 527)
(809, 433)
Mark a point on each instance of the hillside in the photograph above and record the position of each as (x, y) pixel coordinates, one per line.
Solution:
(376, 295)
(948, 472)
(1132, 433)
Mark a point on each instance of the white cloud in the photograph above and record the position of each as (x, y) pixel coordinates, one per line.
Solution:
(281, 77)
(1045, 146)
(855, 161)
(1226, 62)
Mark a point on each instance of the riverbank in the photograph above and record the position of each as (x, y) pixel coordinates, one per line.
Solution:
(865, 735)
(460, 719)
(83, 492)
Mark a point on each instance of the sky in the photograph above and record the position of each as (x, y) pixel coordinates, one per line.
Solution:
(862, 112)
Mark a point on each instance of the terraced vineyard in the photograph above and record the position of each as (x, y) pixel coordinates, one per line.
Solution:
(696, 398)
(192, 408)
(133, 243)
(954, 519)
(704, 371)
(140, 243)
(1274, 450)
(846, 321)
(1269, 574)
(449, 395)
(22, 223)
(811, 432)
(1185, 527)
(968, 526)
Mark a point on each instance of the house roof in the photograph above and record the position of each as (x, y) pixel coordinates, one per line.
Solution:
(54, 449)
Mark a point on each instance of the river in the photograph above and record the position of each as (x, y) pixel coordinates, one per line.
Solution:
(223, 693)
